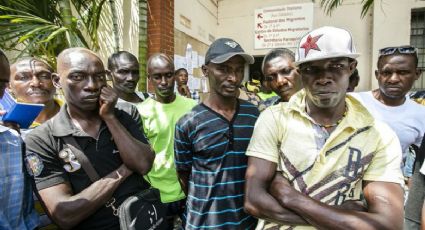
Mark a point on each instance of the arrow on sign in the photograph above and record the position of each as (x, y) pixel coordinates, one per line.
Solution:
(260, 15)
(259, 36)
(259, 25)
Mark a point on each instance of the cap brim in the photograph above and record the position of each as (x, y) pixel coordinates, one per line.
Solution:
(354, 56)
(223, 58)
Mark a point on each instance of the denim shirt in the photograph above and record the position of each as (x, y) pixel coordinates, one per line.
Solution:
(16, 201)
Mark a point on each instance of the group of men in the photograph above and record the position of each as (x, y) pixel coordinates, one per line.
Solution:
(317, 157)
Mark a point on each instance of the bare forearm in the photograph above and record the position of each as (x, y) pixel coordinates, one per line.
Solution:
(136, 155)
(184, 180)
(68, 211)
(324, 216)
(259, 201)
(263, 205)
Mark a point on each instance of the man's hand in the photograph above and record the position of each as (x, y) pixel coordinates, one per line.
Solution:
(68, 209)
(11, 125)
(107, 101)
(281, 189)
(123, 171)
(277, 183)
(185, 90)
(259, 201)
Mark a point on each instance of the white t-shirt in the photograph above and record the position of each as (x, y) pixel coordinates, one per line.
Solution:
(139, 94)
(407, 120)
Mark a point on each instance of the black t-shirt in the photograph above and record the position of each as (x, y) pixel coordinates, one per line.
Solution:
(44, 144)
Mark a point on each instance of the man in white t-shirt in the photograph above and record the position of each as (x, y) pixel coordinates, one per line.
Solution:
(397, 71)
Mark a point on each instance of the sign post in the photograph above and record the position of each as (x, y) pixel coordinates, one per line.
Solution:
(282, 26)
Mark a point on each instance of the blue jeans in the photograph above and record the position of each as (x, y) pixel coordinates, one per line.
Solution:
(409, 162)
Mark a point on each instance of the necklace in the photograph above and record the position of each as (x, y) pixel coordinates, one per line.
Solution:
(336, 123)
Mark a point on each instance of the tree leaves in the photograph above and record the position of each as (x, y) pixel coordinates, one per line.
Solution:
(39, 27)
(330, 5)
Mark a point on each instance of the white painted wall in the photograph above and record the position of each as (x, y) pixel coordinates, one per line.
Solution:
(202, 15)
(236, 20)
(387, 23)
(128, 26)
(391, 26)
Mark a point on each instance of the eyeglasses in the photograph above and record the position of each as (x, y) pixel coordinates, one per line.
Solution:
(400, 49)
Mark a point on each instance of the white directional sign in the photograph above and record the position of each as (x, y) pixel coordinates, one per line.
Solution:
(282, 26)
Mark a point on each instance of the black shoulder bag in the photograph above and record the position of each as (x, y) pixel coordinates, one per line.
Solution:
(143, 210)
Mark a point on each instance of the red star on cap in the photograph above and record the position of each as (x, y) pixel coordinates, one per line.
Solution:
(311, 44)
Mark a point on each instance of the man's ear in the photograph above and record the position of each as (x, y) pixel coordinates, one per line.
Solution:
(108, 75)
(56, 81)
(353, 66)
(418, 73)
(205, 70)
(376, 74)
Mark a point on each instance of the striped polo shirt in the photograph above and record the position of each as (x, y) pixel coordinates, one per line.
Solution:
(213, 149)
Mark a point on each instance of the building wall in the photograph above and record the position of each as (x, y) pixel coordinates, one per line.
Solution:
(199, 22)
(391, 26)
(238, 23)
(195, 23)
(161, 27)
(197, 19)
(128, 28)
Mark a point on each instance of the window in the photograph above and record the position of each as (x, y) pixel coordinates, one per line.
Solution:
(417, 39)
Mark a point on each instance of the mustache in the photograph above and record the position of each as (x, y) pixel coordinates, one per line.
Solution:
(37, 91)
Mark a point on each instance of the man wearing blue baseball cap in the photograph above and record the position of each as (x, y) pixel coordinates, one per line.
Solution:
(312, 158)
(210, 144)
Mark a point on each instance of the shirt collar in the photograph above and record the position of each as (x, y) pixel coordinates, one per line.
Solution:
(357, 116)
(3, 128)
(62, 124)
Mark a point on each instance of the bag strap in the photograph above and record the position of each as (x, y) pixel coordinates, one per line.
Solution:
(88, 167)
(81, 157)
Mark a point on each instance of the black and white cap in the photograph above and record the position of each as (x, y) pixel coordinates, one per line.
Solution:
(325, 42)
(223, 49)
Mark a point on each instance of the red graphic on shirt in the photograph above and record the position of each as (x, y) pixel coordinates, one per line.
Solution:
(311, 44)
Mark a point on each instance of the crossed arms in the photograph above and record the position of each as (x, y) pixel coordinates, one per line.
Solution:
(68, 209)
(272, 198)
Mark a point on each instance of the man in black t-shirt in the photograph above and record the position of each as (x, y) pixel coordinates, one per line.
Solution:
(109, 137)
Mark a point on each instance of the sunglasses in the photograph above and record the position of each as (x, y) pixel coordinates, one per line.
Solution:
(400, 49)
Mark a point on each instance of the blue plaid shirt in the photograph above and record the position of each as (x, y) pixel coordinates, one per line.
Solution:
(16, 201)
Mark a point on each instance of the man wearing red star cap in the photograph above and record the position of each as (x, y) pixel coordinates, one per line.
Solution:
(310, 159)
(311, 43)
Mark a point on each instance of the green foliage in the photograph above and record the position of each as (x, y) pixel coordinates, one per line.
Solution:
(43, 28)
(330, 5)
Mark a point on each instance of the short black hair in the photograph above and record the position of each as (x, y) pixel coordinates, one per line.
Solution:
(256, 75)
(414, 55)
(161, 56)
(180, 69)
(278, 52)
(113, 59)
(354, 75)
